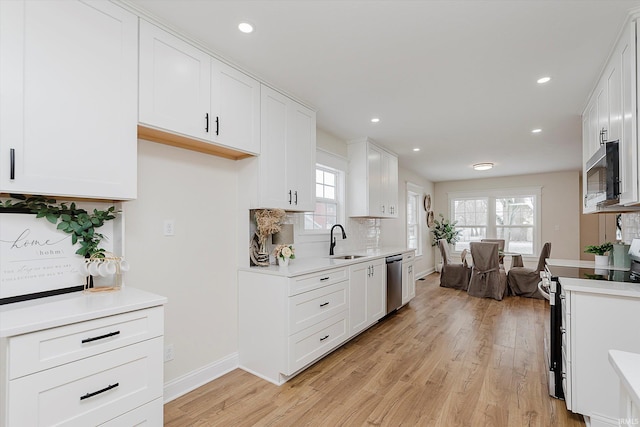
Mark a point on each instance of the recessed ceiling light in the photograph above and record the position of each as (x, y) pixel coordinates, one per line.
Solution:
(483, 166)
(245, 27)
(543, 80)
(536, 131)
(416, 149)
(375, 120)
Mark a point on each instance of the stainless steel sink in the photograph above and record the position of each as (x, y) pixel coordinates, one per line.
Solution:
(346, 256)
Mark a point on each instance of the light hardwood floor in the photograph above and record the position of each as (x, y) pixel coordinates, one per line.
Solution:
(446, 359)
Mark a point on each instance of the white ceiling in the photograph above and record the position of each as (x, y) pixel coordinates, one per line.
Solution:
(456, 78)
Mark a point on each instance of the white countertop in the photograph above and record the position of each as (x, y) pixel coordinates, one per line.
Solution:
(627, 366)
(42, 313)
(605, 287)
(300, 266)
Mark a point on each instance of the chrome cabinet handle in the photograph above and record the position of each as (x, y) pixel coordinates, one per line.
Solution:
(296, 197)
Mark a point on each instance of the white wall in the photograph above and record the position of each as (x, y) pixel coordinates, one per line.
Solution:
(560, 205)
(195, 269)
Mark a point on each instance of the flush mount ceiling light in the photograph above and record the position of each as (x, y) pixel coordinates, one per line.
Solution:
(483, 166)
(245, 27)
(416, 149)
(536, 131)
(543, 80)
(375, 120)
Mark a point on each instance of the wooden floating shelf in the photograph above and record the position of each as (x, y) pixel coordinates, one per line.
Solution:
(167, 138)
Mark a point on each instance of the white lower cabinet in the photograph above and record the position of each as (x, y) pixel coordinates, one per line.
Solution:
(367, 294)
(102, 370)
(88, 391)
(597, 323)
(408, 277)
(287, 323)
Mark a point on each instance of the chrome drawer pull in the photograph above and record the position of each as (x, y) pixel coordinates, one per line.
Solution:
(325, 304)
(325, 337)
(324, 278)
(107, 388)
(110, 334)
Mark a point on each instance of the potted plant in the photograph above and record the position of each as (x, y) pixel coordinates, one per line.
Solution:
(444, 229)
(601, 252)
(283, 254)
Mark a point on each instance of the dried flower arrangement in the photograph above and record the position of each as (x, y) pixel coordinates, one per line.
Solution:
(268, 222)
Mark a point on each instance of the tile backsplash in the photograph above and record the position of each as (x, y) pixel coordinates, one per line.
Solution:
(630, 226)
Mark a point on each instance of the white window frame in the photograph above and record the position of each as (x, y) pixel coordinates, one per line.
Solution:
(413, 189)
(492, 195)
(339, 164)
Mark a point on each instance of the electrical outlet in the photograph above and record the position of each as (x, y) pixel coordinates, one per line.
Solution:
(168, 352)
(169, 227)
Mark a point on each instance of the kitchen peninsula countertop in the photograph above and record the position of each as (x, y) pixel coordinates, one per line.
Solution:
(627, 366)
(606, 287)
(300, 266)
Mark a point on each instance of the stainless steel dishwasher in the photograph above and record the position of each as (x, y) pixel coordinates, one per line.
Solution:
(394, 282)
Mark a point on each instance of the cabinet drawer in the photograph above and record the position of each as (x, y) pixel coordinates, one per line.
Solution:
(150, 414)
(48, 348)
(310, 344)
(311, 307)
(408, 257)
(312, 281)
(89, 391)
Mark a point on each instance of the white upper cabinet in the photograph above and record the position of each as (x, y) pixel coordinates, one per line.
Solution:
(68, 78)
(175, 83)
(611, 116)
(372, 182)
(184, 90)
(287, 160)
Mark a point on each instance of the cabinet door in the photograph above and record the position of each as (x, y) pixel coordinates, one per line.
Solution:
(586, 147)
(301, 149)
(602, 101)
(408, 282)
(376, 292)
(390, 179)
(68, 78)
(274, 191)
(374, 160)
(358, 297)
(235, 108)
(625, 56)
(175, 85)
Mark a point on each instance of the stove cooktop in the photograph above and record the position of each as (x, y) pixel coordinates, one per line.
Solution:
(594, 274)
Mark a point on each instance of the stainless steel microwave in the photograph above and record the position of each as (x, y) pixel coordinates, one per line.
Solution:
(603, 176)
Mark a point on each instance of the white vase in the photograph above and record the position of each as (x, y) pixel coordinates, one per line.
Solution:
(283, 262)
(602, 260)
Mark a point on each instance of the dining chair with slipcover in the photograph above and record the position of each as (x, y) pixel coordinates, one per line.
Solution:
(524, 281)
(452, 275)
(488, 278)
(501, 243)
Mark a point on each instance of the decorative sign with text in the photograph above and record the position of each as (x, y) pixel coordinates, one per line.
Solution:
(35, 257)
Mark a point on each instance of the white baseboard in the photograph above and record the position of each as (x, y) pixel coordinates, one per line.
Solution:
(425, 273)
(194, 379)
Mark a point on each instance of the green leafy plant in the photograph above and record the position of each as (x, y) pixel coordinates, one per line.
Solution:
(599, 249)
(76, 221)
(444, 229)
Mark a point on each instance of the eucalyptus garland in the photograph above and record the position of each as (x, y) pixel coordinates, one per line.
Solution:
(69, 218)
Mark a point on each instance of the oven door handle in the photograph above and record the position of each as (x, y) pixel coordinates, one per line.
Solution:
(544, 292)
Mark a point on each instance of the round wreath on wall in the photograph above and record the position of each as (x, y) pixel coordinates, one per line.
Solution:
(426, 202)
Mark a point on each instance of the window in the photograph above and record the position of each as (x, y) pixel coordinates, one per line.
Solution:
(328, 200)
(414, 228)
(512, 215)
